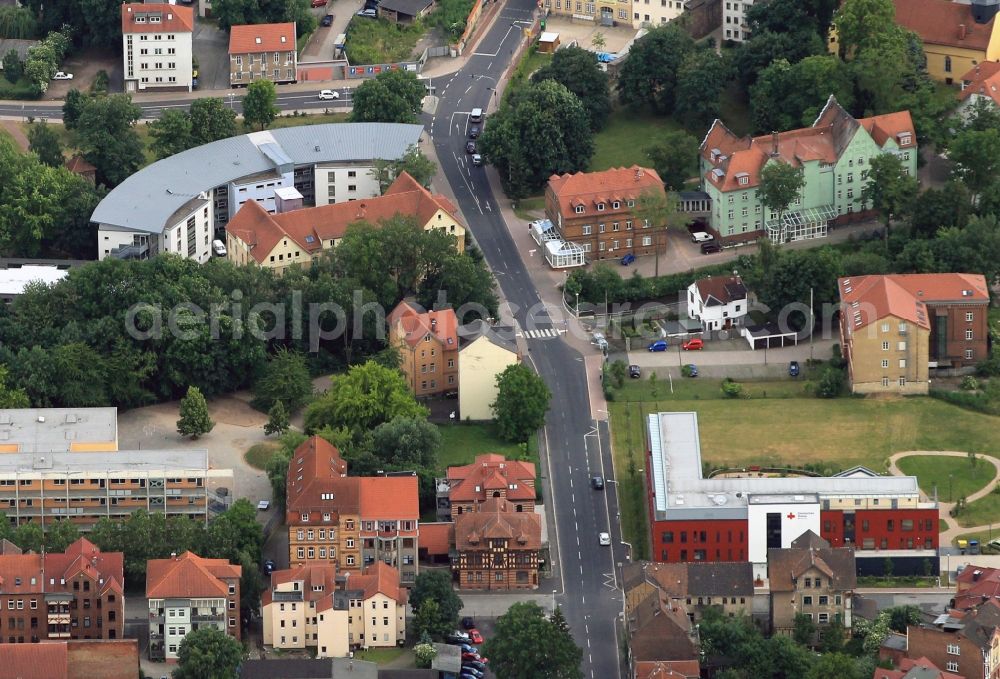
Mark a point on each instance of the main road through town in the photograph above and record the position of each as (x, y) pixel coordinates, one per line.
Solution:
(577, 446)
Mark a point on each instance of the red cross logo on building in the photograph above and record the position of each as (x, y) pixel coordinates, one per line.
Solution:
(791, 515)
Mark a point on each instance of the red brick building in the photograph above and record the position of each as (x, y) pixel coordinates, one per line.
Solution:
(599, 211)
(77, 594)
(497, 547)
(962, 642)
(491, 476)
(74, 659)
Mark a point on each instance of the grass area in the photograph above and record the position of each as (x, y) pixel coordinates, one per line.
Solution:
(953, 476)
(897, 582)
(380, 41)
(700, 388)
(300, 42)
(942, 525)
(984, 537)
(259, 454)
(19, 90)
(981, 512)
(628, 450)
(461, 443)
(531, 62)
(382, 656)
(622, 141)
(317, 119)
(526, 206)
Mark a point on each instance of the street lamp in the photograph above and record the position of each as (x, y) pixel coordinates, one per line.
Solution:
(554, 601)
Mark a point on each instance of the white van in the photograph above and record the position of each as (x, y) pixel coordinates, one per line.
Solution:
(476, 116)
(219, 248)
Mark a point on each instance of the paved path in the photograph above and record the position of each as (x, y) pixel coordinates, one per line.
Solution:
(944, 508)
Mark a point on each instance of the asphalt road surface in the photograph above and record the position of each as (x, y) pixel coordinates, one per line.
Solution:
(577, 446)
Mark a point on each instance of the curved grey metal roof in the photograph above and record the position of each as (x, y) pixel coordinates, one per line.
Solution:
(147, 199)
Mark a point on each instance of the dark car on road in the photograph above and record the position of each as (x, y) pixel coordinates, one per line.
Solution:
(634, 371)
(327, 20)
(468, 623)
(628, 259)
(474, 132)
(597, 482)
(470, 147)
(710, 247)
(793, 368)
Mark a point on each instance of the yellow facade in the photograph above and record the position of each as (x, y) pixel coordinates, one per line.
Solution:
(479, 364)
(337, 541)
(888, 356)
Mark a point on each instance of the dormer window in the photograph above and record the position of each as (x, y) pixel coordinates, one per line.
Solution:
(743, 178)
(304, 516)
(579, 209)
(715, 155)
(600, 207)
(616, 205)
(140, 18)
(904, 138)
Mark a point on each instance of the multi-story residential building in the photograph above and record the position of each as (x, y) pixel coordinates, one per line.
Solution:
(484, 352)
(601, 12)
(921, 668)
(600, 211)
(734, 20)
(467, 487)
(262, 52)
(277, 241)
(956, 36)
(78, 594)
(811, 578)
(739, 518)
(653, 13)
(895, 329)
(156, 47)
(84, 487)
(718, 302)
(47, 430)
(187, 592)
(427, 342)
(693, 587)
(183, 202)
(312, 606)
(662, 640)
(833, 155)
(72, 659)
(497, 547)
(349, 520)
(967, 644)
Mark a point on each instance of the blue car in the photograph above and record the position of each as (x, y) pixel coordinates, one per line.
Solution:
(628, 259)
(692, 370)
(658, 345)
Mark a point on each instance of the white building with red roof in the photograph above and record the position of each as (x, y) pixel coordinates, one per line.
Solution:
(719, 302)
(981, 83)
(833, 155)
(156, 47)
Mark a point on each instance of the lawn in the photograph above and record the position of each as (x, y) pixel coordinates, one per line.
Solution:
(526, 206)
(382, 656)
(530, 62)
(380, 41)
(690, 389)
(259, 454)
(981, 512)
(623, 140)
(311, 119)
(953, 476)
(461, 443)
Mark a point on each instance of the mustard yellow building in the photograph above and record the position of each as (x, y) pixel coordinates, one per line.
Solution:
(277, 241)
(956, 36)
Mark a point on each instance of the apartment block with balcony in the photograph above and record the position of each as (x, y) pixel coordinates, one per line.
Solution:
(157, 47)
(78, 594)
(262, 52)
(185, 593)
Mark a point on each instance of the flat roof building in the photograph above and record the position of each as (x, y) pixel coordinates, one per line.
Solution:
(30, 430)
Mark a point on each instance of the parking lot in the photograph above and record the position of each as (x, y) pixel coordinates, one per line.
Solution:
(211, 49)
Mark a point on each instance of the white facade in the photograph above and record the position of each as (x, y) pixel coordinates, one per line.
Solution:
(190, 236)
(156, 60)
(715, 317)
(734, 26)
(653, 13)
(479, 364)
(342, 184)
(796, 516)
(260, 189)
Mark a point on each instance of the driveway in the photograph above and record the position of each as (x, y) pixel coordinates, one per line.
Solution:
(731, 358)
(84, 67)
(211, 49)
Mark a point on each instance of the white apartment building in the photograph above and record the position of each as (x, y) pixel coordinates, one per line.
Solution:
(653, 13)
(156, 47)
(734, 20)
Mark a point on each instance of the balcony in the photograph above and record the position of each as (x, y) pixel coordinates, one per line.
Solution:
(208, 617)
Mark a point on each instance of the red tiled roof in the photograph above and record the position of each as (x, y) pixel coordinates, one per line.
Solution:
(496, 518)
(173, 18)
(906, 667)
(591, 188)
(725, 289)
(667, 669)
(59, 569)
(103, 658)
(942, 22)
(977, 585)
(494, 471)
(379, 578)
(251, 38)
(317, 478)
(187, 576)
(905, 295)
(437, 538)
(311, 575)
(79, 165)
(310, 227)
(389, 498)
(412, 324)
(983, 79)
(34, 661)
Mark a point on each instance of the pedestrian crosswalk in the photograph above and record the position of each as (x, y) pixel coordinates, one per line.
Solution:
(542, 334)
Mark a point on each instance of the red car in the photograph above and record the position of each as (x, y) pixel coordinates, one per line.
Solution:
(318, 3)
(693, 345)
(475, 636)
(476, 657)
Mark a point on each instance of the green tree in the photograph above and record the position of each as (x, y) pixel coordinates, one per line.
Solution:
(259, 104)
(780, 184)
(208, 653)
(60, 534)
(619, 371)
(974, 248)
(73, 107)
(831, 383)
(425, 653)
(44, 143)
(234, 532)
(13, 67)
(29, 537)
(700, 80)
(649, 75)
(889, 189)
(936, 208)
(522, 401)
(540, 130)
(860, 24)
(803, 629)
(285, 378)
(171, 133)
(10, 396)
(674, 156)
(405, 443)
(976, 159)
(435, 585)
(831, 638)
(427, 619)
(788, 96)
(194, 419)
(465, 283)
(277, 466)
(211, 121)
(277, 419)
(107, 136)
(17, 23)
(837, 665)
(526, 645)
(390, 97)
(578, 71)
(363, 398)
(413, 162)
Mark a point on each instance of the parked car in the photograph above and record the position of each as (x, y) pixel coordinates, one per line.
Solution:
(474, 132)
(470, 673)
(219, 248)
(461, 634)
(477, 159)
(475, 636)
(471, 656)
(604, 539)
(692, 370)
(456, 641)
(468, 623)
(468, 648)
(263, 505)
(793, 368)
(693, 345)
(368, 14)
(318, 3)
(628, 259)
(61, 75)
(474, 664)
(470, 147)
(658, 345)
(634, 371)
(701, 237)
(326, 20)
(710, 247)
(697, 224)
(329, 94)
(597, 482)
(269, 567)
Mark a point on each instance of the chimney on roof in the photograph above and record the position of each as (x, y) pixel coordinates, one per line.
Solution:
(173, 555)
(774, 144)
(961, 31)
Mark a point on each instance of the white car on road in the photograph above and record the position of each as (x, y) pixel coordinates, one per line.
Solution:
(329, 94)
(60, 75)
(604, 539)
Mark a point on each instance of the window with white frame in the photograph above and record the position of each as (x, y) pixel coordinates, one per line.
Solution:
(647, 240)
(968, 334)
(952, 666)
(968, 354)
(954, 649)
